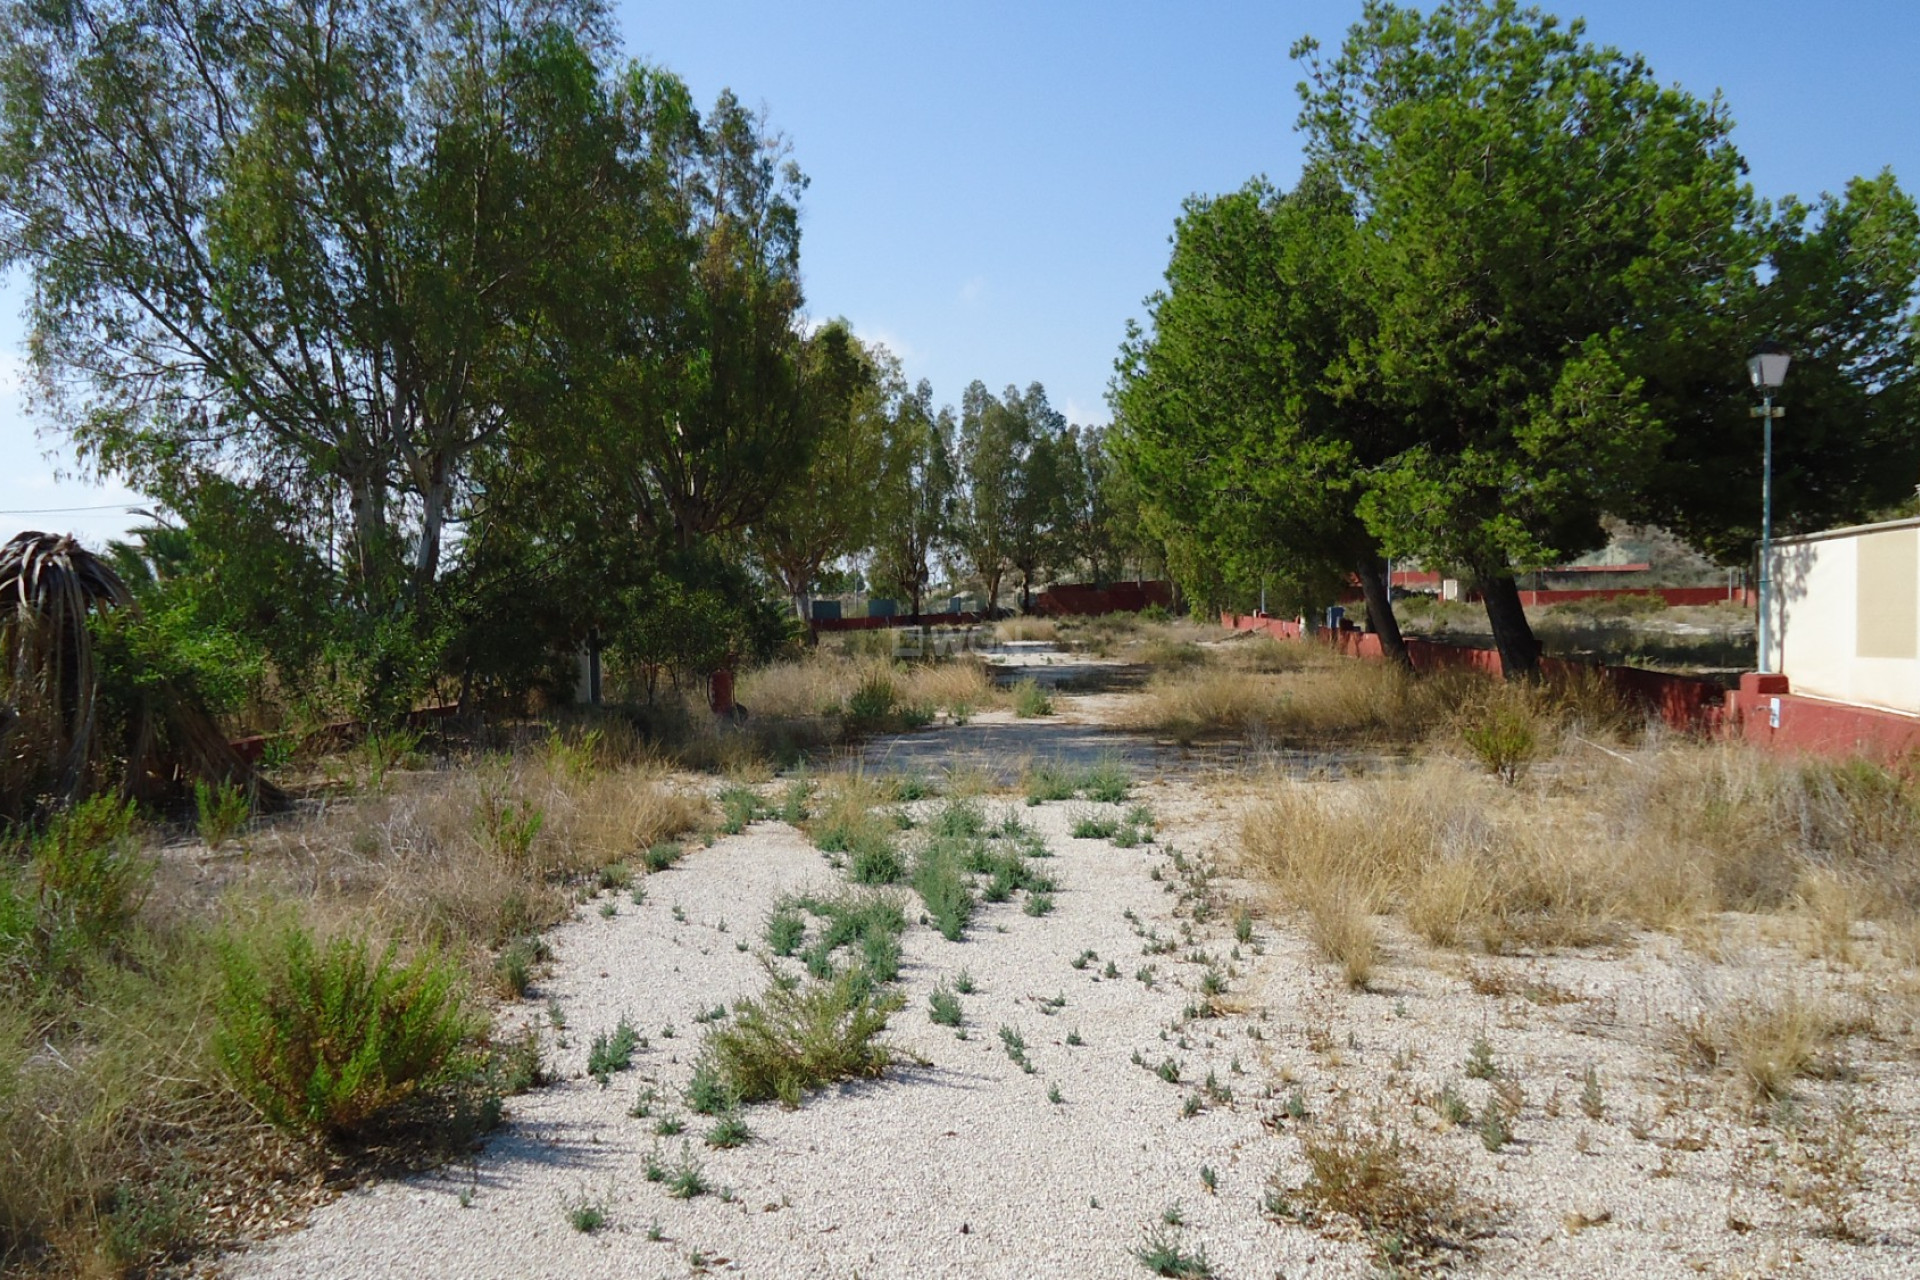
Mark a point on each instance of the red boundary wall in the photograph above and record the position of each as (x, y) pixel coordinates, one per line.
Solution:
(897, 620)
(1065, 599)
(1683, 702)
(1761, 711)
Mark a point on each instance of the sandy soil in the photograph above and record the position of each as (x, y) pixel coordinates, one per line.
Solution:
(957, 1163)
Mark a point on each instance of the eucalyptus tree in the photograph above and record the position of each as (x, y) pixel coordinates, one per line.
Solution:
(312, 250)
(914, 494)
(302, 245)
(829, 510)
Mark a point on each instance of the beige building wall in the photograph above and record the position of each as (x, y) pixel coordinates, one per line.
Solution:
(1846, 614)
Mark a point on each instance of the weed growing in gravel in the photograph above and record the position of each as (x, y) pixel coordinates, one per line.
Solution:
(1242, 924)
(1083, 959)
(963, 983)
(958, 819)
(669, 1127)
(642, 1108)
(659, 857)
(612, 1051)
(942, 885)
(1049, 781)
(1094, 826)
(739, 806)
(1209, 1179)
(1168, 1070)
(1111, 971)
(1480, 1065)
(1073, 1038)
(1163, 1254)
(1410, 1211)
(1030, 700)
(1452, 1107)
(1591, 1103)
(873, 922)
(609, 909)
(1053, 1095)
(513, 967)
(686, 1180)
(944, 1006)
(729, 1131)
(1038, 904)
(707, 1092)
(797, 1037)
(1106, 781)
(1493, 1128)
(786, 929)
(1016, 1047)
(585, 1215)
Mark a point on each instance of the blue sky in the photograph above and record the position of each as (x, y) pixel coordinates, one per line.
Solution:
(993, 185)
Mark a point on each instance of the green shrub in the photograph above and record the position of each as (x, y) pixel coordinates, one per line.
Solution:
(785, 929)
(799, 1037)
(873, 701)
(508, 827)
(89, 879)
(612, 1051)
(661, 856)
(1030, 700)
(1502, 738)
(943, 889)
(325, 1038)
(739, 806)
(875, 859)
(223, 810)
(1050, 781)
(1106, 780)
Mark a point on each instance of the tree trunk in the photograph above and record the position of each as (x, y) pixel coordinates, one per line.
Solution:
(1512, 635)
(1373, 584)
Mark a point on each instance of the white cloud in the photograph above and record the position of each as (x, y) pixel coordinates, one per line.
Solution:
(903, 350)
(973, 290)
(1080, 415)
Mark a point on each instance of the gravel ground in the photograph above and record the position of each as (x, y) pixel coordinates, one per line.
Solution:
(957, 1163)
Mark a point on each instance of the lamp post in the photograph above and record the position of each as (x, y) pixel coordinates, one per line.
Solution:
(1768, 369)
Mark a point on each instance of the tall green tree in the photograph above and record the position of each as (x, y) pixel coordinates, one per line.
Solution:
(310, 250)
(1842, 294)
(828, 511)
(1041, 512)
(914, 492)
(1542, 220)
(1238, 420)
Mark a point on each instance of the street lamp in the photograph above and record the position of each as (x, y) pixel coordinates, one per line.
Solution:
(1768, 369)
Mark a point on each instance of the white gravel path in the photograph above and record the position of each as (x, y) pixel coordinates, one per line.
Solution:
(959, 1168)
(964, 1168)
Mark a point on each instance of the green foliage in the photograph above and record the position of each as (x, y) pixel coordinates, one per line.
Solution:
(943, 1006)
(223, 809)
(800, 1037)
(506, 826)
(939, 879)
(612, 1051)
(1502, 738)
(84, 882)
(786, 929)
(1030, 700)
(739, 806)
(324, 1038)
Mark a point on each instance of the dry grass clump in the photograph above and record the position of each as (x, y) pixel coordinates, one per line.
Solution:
(1026, 628)
(1766, 1040)
(831, 684)
(1680, 831)
(1325, 698)
(1412, 1212)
